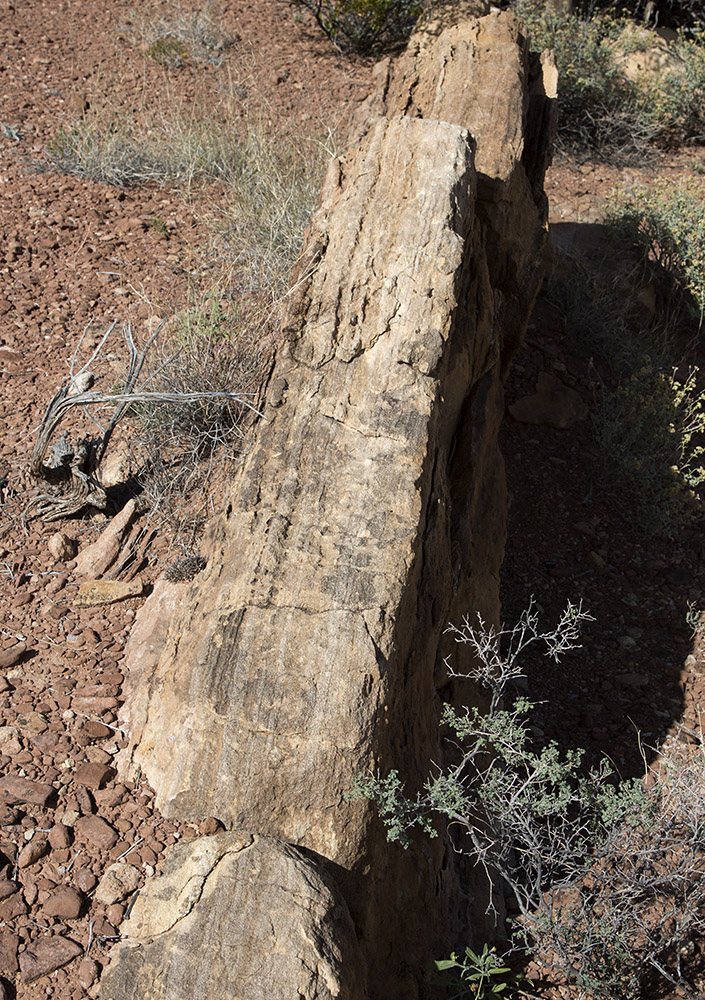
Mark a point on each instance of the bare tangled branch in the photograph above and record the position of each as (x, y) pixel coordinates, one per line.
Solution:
(72, 472)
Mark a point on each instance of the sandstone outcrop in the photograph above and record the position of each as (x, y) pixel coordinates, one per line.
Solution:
(369, 511)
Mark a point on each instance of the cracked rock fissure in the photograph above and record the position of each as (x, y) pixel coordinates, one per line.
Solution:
(369, 511)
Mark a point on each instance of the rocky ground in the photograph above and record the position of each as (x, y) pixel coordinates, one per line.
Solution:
(76, 841)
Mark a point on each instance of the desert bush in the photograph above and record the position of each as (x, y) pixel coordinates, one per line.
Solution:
(364, 25)
(600, 111)
(212, 348)
(666, 225)
(605, 874)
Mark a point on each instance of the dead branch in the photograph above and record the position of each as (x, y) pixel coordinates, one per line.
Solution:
(72, 471)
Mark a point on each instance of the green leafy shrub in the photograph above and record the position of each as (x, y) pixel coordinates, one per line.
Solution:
(364, 25)
(605, 874)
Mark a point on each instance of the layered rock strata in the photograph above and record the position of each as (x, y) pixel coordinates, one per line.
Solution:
(368, 512)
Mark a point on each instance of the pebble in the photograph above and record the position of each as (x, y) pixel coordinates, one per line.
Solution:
(60, 836)
(85, 880)
(62, 547)
(7, 888)
(36, 849)
(88, 972)
(93, 775)
(64, 902)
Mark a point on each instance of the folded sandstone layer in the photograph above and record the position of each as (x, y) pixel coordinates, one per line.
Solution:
(369, 511)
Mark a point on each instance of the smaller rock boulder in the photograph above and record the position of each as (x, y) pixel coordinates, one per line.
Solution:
(282, 928)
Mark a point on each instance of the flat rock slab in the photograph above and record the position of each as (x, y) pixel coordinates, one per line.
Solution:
(96, 592)
(47, 954)
(554, 404)
(16, 791)
(276, 918)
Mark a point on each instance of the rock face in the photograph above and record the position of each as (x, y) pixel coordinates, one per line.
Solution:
(369, 512)
(261, 908)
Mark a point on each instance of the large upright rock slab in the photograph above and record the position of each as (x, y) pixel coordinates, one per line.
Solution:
(369, 511)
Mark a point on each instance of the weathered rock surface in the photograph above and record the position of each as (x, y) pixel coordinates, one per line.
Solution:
(97, 558)
(264, 914)
(95, 592)
(369, 511)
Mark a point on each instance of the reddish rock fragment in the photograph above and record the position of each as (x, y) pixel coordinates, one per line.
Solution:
(8, 816)
(65, 902)
(97, 832)
(60, 837)
(9, 657)
(9, 944)
(93, 775)
(47, 954)
(14, 790)
(32, 852)
(13, 906)
(85, 880)
(7, 887)
(88, 972)
(96, 730)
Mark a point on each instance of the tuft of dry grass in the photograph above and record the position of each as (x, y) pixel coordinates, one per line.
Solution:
(173, 37)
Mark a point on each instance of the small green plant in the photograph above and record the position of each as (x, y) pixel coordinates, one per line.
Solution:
(168, 52)
(605, 874)
(481, 975)
(158, 226)
(695, 620)
(364, 25)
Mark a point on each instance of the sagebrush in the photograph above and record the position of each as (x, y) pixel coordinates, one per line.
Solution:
(605, 874)
(364, 25)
